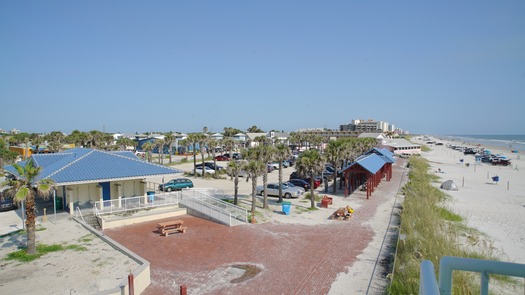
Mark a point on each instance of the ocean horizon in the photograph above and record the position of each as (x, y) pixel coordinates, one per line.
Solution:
(512, 142)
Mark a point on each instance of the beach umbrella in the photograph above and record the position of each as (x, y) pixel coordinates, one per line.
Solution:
(449, 185)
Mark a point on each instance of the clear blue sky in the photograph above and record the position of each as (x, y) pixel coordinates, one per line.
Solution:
(433, 67)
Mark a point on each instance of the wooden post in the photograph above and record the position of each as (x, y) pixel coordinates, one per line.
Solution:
(130, 284)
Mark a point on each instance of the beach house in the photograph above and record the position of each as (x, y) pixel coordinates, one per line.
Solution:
(84, 176)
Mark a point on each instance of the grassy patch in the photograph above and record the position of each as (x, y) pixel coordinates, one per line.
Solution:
(87, 238)
(41, 249)
(430, 232)
(317, 198)
(448, 215)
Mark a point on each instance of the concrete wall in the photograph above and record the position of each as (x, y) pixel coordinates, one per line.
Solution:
(106, 223)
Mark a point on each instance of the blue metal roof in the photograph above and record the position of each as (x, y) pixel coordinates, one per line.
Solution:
(371, 162)
(83, 165)
(384, 153)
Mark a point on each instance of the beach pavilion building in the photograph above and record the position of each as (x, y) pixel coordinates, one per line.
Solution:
(368, 170)
(84, 176)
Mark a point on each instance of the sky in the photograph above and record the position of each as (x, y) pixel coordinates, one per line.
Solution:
(428, 67)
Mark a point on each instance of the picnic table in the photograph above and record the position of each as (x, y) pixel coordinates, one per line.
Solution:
(169, 227)
(343, 213)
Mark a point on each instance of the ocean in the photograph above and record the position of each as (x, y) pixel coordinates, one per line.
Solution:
(512, 142)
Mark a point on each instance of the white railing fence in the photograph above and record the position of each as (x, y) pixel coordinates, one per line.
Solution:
(136, 203)
(205, 201)
(212, 197)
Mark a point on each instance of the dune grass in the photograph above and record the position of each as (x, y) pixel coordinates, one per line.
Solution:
(430, 231)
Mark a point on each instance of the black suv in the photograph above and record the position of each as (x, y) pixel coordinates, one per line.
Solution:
(7, 204)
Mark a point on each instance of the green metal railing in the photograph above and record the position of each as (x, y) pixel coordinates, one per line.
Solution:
(428, 285)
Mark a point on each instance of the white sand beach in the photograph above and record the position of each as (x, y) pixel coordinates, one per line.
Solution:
(496, 209)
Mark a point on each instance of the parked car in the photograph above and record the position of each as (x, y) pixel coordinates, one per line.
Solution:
(210, 165)
(7, 204)
(295, 186)
(274, 165)
(317, 180)
(500, 161)
(207, 169)
(222, 158)
(272, 189)
(300, 183)
(469, 151)
(176, 184)
(235, 156)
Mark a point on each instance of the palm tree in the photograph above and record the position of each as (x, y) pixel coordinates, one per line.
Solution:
(334, 153)
(95, 138)
(212, 144)
(254, 168)
(203, 139)
(78, 138)
(5, 154)
(124, 142)
(186, 144)
(25, 188)
(282, 153)
(234, 168)
(159, 143)
(36, 140)
(193, 139)
(264, 153)
(310, 163)
(54, 140)
(169, 138)
(148, 147)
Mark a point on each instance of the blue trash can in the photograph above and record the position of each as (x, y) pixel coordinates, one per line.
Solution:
(151, 196)
(495, 178)
(286, 207)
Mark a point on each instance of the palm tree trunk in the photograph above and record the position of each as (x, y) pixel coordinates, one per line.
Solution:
(265, 181)
(30, 225)
(194, 160)
(312, 194)
(236, 189)
(280, 182)
(203, 167)
(254, 188)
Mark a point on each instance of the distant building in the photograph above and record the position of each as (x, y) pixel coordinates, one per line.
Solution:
(401, 146)
(365, 126)
(330, 134)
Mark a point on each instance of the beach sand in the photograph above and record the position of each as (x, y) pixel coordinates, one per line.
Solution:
(496, 209)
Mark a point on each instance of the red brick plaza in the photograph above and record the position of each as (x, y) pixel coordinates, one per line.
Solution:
(295, 259)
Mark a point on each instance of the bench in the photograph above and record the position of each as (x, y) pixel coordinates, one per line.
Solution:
(326, 201)
(169, 227)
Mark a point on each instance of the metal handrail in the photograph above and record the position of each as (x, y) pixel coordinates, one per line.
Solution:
(448, 264)
(238, 212)
(79, 213)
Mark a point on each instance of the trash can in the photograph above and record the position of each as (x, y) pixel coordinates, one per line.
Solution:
(286, 207)
(151, 196)
(59, 205)
(495, 178)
